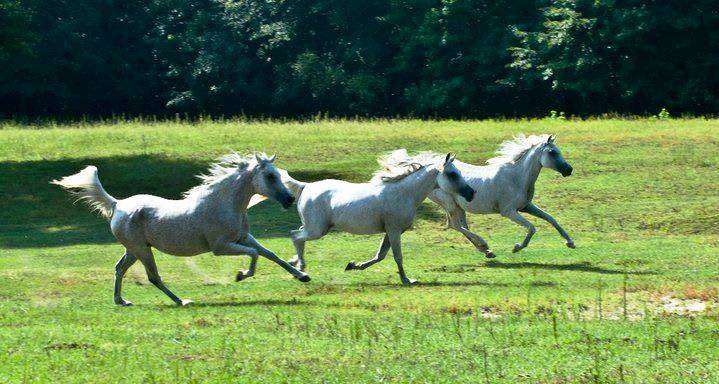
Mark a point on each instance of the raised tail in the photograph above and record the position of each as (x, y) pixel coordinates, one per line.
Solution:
(290, 183)
(86, 187)
(295, 186)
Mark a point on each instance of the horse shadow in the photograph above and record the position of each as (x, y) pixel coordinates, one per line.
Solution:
(584, 266)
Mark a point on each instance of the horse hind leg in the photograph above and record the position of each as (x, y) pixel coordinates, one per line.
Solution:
(148, 261)
(125, 262)
(299, 238)
(381, 253)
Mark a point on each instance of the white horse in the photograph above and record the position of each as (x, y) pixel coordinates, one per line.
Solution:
(387, 204)
(211, 217)
(506, 186)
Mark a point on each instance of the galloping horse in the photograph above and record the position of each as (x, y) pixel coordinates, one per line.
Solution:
(387, 204)
(211, 217)
(506, 186)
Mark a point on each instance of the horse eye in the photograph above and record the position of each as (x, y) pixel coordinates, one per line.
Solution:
(271, 177)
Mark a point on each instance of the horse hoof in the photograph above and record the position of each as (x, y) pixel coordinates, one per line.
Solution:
(350, 266)
(185, 302)
(123, 303)
(241, 275)
(409, 282)
(490, 255)
(304, 278)
(516, 248)
(570, 244)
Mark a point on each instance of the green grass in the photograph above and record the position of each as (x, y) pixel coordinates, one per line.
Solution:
(642, 206)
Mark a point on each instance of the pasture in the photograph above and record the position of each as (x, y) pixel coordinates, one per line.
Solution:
(636, 301)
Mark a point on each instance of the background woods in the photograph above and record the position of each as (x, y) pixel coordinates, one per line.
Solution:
(451, 58)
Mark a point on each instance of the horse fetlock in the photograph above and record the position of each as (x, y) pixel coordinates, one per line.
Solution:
(241, 275)
(124, 303)
(185, 302)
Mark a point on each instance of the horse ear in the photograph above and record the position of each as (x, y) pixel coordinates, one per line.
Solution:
(272, 158)
(258, 158)
(551, 138)
(448, 158)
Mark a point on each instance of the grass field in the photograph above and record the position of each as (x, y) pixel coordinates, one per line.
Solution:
(636, 302)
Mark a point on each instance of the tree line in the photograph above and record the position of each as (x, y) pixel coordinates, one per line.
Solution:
(424, 58)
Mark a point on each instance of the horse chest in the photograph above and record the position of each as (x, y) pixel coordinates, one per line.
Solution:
(530, 193)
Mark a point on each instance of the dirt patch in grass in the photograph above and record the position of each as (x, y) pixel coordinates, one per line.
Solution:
(66, 346)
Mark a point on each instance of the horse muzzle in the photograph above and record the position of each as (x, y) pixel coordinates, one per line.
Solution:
(567, 171)
(287, 201)
(467, 192)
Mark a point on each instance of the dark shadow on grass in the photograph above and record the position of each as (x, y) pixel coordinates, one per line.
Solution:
(36, 214)
(584, 266)
(440, 283)
(252, 303)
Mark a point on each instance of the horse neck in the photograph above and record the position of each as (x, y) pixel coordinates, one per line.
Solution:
(419, 184)
(527, 170)
(234, 194)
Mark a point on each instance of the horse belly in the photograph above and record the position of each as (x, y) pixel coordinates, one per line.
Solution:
(358, 222)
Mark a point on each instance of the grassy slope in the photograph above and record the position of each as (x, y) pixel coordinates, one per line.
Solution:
(642, 208)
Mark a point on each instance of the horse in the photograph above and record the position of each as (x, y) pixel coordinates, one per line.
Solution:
(506, 186)
(387, 204)
(210, 217)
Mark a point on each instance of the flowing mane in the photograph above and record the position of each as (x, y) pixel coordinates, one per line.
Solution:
(218, 171)
(398, 164)
(513, 150)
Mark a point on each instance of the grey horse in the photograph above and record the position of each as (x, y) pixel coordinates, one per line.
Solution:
(506, 186)
(211, 217)
(387, 204)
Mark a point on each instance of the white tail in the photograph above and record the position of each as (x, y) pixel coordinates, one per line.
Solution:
(85, 186)
(293, 185)
(256, 199)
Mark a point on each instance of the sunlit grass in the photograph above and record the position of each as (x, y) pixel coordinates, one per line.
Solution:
(642, 206)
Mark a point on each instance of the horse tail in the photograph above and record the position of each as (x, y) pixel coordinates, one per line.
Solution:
(85, 186)
(295, 186)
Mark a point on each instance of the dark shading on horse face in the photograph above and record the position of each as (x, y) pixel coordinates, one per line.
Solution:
(451, 180)
(552, 158)
(268, 183)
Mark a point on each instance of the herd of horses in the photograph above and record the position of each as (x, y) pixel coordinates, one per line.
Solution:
(212, 217)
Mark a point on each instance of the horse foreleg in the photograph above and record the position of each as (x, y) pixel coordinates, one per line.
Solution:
(234, 249)
(269, 255)
(381, 253)
(395, 240)
(125, 262)
(148, 260)
(519, 219)
(538, 212)
(458, 222)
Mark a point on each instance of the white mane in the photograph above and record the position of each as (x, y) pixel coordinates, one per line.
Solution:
(226, 165)
(398, 164)
(513, 150)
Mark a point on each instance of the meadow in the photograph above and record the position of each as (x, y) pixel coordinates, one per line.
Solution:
(636, 302)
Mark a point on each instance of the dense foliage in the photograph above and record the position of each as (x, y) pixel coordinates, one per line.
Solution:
(450, 58)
